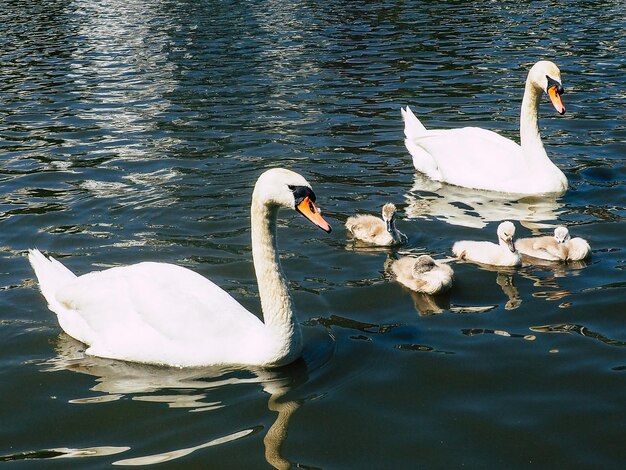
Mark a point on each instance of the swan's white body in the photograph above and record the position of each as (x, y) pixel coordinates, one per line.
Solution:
(160, 313)
(502, 254)
(375, 231)
(423, 274)
(477, 158)
(560, 247)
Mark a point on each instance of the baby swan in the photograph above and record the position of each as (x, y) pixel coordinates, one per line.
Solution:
(560, 247)
(503, 254)
(370, 229)
(423, 274)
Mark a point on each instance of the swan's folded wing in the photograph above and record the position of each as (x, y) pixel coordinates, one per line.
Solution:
(469, 153)
(152, 301)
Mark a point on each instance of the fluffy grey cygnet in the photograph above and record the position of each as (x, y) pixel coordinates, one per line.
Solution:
(375, 231)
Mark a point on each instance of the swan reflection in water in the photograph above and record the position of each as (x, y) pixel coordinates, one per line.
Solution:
(545, 274)
(505, 280)
(116, 379)
(476, 208)
(426, 304)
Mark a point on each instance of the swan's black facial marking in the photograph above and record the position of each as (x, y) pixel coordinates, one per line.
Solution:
(302, 192)
(554, 83)
(304, 199)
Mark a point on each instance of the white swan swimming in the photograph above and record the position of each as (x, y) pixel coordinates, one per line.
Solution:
(477, 158)
(423, 274)
(502, 254)
(381, 232)
(560, 247)
(165, 314)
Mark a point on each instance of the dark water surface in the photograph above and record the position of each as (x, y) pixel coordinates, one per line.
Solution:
(134, 130)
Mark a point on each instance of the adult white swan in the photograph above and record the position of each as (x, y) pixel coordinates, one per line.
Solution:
(165, 314)
(477, 158)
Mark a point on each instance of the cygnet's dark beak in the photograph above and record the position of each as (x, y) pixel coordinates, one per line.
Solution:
(510, 244)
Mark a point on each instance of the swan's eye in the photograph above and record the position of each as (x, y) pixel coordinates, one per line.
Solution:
(291, 187)
(554, 83)
(301, 192)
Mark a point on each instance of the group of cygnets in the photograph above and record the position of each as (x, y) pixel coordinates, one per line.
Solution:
(477, 158)
(424, 274)
(160, 313)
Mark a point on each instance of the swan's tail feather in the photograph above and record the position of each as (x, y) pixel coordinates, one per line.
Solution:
(413, 128)
(50, 273)
(415, 131)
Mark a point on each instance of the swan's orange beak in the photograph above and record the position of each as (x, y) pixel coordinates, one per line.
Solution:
(307, 208)
(555, 97)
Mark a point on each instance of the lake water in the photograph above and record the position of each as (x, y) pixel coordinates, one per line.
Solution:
(135, 130)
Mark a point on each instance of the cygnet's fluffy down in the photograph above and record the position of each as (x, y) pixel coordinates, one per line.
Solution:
(423, 274)
(560, 247)
(501, 254)
(375, 231)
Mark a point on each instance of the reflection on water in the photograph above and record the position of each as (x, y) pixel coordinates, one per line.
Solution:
(176, 454)
(421, 348)
(123, 71)
(579, 329)
(505, 281)
(117, 379)
(429, 304)
(277, 433)
(503, 333)
(545, 274)
(64, 453)
(474, 208)
(352, 324)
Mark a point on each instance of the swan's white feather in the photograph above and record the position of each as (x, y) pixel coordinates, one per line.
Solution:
(148, 311)
(469, 157)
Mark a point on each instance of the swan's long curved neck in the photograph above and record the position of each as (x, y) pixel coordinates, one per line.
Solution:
(275, 299)
(530, 140)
